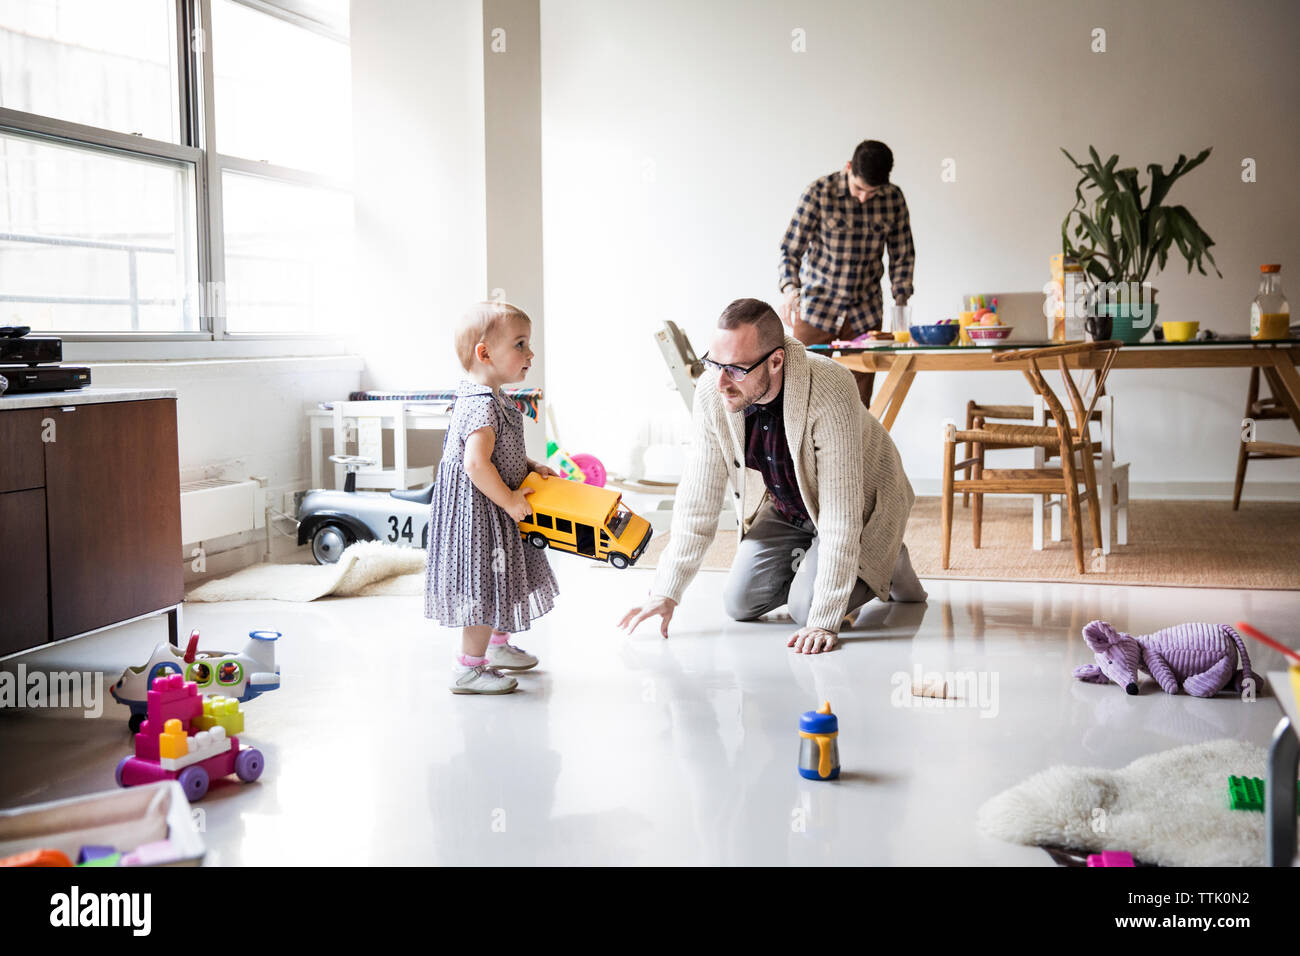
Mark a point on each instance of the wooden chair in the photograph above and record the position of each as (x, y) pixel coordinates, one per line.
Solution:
(1261, 409)
(1067, 441)
(976, 417)
(1112, 480)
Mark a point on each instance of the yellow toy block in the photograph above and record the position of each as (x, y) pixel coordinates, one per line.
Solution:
(173, 741)
(223, 712)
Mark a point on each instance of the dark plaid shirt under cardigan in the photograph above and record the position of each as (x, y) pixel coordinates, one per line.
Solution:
(768, 452)
(833, 251)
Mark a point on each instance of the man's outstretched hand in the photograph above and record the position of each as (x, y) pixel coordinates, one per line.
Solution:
(661, 606)
(812, 640)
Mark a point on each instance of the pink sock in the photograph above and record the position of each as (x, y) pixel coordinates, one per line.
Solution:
(469, 661)
(499, 637)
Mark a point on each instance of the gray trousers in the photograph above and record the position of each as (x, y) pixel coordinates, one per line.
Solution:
(776, 563)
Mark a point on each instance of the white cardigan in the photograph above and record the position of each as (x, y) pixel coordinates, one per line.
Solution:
(850, 478)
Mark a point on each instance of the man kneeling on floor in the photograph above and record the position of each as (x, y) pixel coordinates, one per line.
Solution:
(828, 535)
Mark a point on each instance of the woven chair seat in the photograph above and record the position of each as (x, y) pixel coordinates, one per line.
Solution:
(1016, 436)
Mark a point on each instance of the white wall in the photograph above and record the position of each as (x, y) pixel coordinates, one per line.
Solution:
(417, 117)
(242, 418)
(677, 137)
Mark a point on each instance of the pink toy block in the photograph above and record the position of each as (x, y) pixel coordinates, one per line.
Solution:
(1111, 858)
(152, 854)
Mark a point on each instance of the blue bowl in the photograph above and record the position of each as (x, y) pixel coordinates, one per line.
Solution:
(935, 334)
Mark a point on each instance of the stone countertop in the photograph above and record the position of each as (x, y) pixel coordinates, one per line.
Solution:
(89, 395)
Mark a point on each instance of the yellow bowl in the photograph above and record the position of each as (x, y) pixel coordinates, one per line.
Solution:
(1180, 331)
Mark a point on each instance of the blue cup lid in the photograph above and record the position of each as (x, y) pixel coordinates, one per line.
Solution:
(820, 721)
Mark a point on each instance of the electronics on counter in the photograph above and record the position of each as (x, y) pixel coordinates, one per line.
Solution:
(30, 364)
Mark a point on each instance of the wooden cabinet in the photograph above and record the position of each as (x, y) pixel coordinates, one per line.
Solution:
(23, 570)
(93, 536)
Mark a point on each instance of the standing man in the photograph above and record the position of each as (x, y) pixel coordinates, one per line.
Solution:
(832, 253)
(828, 534)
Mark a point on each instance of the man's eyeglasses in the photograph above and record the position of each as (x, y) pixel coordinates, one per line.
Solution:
(736, 373)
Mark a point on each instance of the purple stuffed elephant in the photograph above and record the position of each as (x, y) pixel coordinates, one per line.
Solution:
(1199, 658)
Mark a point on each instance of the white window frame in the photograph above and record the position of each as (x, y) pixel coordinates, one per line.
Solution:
(197, 116)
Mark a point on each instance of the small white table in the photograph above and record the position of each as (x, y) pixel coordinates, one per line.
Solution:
(1280, 781)
(414, 417)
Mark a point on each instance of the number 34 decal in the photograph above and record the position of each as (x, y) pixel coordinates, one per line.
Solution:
(405, 532)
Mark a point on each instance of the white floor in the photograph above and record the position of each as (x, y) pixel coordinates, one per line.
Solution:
(640, 750)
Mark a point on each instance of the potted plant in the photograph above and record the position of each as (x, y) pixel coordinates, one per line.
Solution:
(1124, 231)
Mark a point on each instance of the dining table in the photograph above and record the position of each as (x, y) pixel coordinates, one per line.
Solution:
(902, 362)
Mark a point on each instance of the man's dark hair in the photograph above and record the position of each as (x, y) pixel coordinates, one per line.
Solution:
(757, 313)
(872, 162)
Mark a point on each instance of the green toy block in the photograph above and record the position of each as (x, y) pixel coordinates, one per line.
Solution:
(220, 710)
(1247, 793)
(110, 860)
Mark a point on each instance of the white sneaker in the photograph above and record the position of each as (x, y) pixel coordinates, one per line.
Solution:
(480, 679)
(510, 658)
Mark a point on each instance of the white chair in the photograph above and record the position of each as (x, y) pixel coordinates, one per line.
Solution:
(371, 418)
(1112, 480)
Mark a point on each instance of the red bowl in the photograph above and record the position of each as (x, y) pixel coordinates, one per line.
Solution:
(988, 333)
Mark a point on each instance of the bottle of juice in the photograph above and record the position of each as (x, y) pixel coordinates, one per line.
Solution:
(1270, 315)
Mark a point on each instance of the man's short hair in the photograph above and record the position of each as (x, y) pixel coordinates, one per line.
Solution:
(759, 314)
(872, 162)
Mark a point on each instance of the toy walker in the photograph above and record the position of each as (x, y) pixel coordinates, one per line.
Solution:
(190, 739)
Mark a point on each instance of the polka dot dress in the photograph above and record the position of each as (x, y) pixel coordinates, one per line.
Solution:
(479, 570)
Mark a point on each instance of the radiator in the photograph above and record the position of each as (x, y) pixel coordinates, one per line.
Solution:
(214, 508)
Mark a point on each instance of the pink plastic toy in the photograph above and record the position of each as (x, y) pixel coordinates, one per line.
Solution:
(190, 739)
(1111, 858)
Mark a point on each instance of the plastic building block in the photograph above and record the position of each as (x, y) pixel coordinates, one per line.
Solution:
(152, 854)
(173, 742)
(204, 744)
(1247, 793)
(221, 711)
(37, 858)
(93, 852)
(1111, 858)
(113, 859)
(170, 746)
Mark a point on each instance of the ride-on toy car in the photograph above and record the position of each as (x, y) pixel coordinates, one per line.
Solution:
(331, 519)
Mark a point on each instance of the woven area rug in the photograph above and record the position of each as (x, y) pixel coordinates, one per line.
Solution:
(363, 569)
(1169, 808)
(1172, 543)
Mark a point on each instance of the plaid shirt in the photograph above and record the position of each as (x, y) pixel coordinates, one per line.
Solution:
(833, 251)
(767, 452)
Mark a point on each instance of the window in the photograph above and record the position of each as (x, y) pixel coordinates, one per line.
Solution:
(542, 521)
(284, 94)
(110, 65)
(95, 241)
(564, 525)
(286, 257)
(175, 168)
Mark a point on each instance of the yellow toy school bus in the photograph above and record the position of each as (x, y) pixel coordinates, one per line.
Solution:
(584, 520)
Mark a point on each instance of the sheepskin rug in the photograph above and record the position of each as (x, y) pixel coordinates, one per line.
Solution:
(364, 569)
(1169, 808)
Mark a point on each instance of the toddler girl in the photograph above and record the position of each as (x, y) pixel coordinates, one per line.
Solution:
(480, 577)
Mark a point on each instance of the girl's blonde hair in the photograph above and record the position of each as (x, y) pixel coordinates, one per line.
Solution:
(481, 322)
